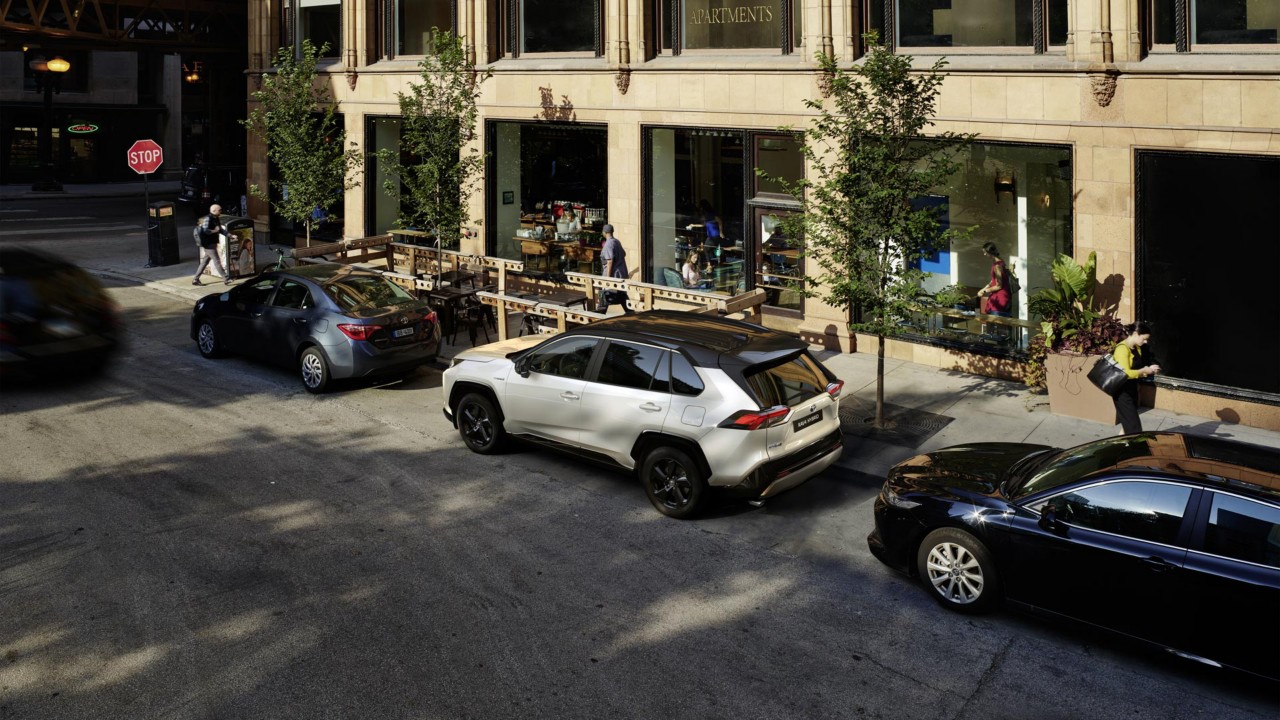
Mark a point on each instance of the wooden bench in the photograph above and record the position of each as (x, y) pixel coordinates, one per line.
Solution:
(370, 251)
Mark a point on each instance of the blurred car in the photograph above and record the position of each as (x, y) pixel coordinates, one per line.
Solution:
(328, 321)
(1173, 539)
(205, 184)
(686, 401)
(54, 316)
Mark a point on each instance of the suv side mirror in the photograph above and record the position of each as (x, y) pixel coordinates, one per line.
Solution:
(522, 366)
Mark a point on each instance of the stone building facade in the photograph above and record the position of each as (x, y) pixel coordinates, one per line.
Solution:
(1145, 131)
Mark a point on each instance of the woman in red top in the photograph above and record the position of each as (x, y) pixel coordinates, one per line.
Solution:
(996, 293)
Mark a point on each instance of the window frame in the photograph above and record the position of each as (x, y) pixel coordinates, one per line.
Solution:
(656, 21)
(387, 38)
(1184, 41)
(508, 33)
(862, 17)
(1188, 520)
(290, 29)
(1200, 538)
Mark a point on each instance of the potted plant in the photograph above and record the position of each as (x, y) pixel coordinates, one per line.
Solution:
(1075, 332)
(952, 296)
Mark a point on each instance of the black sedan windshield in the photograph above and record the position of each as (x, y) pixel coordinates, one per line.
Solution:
(1078, 462)
(362, 292)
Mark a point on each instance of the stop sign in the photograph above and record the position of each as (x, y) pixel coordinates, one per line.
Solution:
(145, 156)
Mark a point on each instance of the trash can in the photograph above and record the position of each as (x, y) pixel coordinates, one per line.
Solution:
(235, 249)
(162, 235)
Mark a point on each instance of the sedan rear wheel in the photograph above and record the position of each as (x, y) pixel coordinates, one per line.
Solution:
(207, 340)
(674, 483)
(479, 424)
(958, 570)
(315, 371)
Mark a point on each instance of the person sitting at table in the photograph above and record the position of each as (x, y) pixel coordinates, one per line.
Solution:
(995, 298)
(690, 273)
(569, 222)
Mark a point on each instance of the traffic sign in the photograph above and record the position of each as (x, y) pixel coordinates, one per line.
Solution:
(145, 156)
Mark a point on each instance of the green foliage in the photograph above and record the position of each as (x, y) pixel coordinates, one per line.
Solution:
(951, 296)
(438, 124)
(870, 160)
(1071, 318)
(297, 120)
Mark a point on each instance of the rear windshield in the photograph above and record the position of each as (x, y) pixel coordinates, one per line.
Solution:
(361, 292)
(789, 383)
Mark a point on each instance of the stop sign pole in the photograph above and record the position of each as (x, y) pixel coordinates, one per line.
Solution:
(144, 157)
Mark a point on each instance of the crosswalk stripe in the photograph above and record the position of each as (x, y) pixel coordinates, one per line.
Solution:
(87, 229)
(59, 218)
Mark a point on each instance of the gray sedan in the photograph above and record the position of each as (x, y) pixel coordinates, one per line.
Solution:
(329, 321)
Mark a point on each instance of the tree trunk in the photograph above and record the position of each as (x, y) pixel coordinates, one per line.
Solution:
(307, 226)
(880, 382)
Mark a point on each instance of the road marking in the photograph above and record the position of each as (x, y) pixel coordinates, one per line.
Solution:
(95, 229)
(29, 212)
(57, 217)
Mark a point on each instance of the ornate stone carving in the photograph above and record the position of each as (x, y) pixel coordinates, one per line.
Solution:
(352, 77)
(825, 79)
(623, 79)
(1104, 88)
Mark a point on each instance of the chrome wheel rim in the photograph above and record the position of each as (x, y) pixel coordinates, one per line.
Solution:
(206, 339)
(477, 426)
(955, 573)
(312, 370)
(669, 482)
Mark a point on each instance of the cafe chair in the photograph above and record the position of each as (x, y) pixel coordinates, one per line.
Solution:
(672, 278)
(476, 316)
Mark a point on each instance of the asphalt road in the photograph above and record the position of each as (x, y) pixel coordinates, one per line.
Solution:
(202, 539)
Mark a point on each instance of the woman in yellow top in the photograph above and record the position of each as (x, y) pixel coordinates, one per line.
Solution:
(1128, 355)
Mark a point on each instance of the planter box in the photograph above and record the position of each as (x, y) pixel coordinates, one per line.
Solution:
(1071, 393)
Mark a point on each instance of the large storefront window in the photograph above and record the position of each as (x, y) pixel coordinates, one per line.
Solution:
(722, 25)
(696, 206)
(1208, 244)
(996, 23)
(541, 178)
(1017, 198)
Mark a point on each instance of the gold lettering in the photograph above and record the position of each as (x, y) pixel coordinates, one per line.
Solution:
(724, 15)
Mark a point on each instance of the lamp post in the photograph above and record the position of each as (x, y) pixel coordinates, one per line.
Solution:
(49, 79)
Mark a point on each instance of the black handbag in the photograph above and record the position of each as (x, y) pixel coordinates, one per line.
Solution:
(1108, 375)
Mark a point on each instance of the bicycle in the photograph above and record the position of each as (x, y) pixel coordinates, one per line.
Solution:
(281, 262)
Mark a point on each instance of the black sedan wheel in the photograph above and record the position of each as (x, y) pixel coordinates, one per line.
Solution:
(315, 371)
(207, 340)
(673, 483)
(958, 570)
(479, 425)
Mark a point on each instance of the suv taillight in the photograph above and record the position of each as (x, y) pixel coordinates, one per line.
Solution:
(833, 389)
(756, 419)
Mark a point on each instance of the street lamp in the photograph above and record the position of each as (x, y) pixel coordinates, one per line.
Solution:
(49, 79)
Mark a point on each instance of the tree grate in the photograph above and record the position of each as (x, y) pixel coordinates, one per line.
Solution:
(904, 426)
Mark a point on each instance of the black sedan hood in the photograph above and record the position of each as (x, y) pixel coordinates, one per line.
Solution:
(975, 468)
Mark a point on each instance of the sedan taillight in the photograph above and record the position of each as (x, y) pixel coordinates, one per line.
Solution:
(431, 317)
(357, 332)
(756, 419)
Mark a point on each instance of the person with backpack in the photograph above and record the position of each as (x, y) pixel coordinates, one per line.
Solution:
(207, 233)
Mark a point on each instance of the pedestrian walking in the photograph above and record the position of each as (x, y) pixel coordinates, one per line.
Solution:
(207, 233)
(1129, 356)
(615, 266)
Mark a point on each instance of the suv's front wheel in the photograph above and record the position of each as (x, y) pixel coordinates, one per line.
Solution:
(673, 483)
(479, 424)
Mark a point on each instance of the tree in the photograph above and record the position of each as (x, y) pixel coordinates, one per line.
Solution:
(860, 218)
(437, 169)
(298, 121)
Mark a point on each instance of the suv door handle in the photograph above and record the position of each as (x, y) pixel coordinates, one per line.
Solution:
(569, 395)
(650, 407)
(1157, 564)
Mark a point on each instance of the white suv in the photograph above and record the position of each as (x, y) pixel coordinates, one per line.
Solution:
(687, 401)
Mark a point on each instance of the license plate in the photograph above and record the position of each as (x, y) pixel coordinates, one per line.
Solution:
(807, 420)
(402, 332)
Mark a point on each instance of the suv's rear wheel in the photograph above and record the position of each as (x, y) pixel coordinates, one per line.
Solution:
(479, 424)
(673, 483)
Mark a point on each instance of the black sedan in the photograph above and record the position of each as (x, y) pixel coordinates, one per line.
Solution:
(327, 320)
(1169, 538)
(55, 318)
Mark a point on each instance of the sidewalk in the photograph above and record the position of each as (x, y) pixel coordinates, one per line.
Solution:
(942, 407)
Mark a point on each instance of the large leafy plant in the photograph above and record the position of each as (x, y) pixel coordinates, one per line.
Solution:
(1072, 319)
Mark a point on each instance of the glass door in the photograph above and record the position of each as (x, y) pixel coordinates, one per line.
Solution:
(778, 261)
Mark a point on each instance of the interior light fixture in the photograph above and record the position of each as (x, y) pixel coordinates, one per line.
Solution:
(1006, 184)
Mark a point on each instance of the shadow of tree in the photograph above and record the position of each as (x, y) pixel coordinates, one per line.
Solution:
(563, 111)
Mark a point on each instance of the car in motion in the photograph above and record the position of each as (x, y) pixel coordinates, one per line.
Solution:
(688, 402)
(1169, 538)
(329, 321)
(55, 318)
